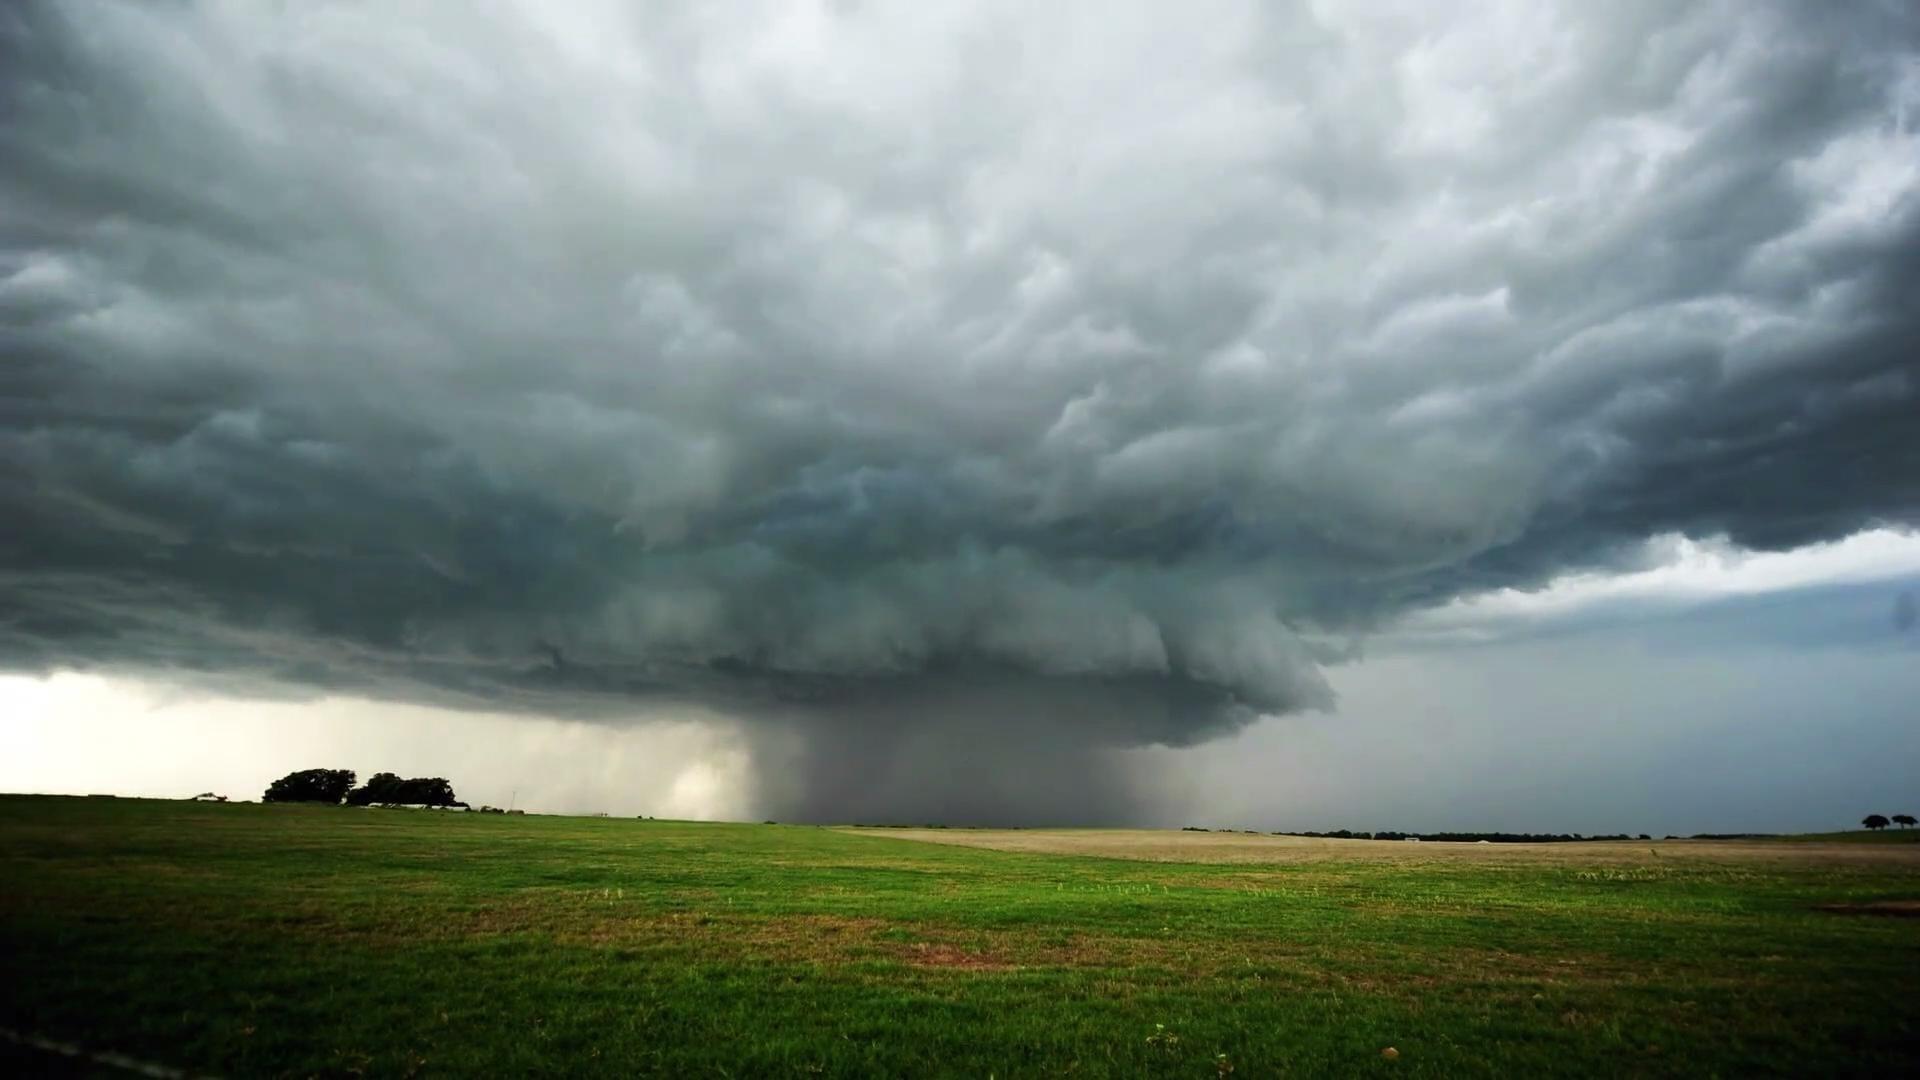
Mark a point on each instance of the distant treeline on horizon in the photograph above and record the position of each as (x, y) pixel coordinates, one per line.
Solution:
(1460, 837)
(1349, 834)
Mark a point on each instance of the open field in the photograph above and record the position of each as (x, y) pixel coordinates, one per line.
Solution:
(259, 940)
(1894, 848)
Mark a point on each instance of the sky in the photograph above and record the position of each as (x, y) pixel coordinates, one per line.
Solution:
(1318, 415)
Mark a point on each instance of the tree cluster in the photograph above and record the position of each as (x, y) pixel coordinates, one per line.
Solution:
(335, 786)
(1880, 821)
(387, 789)
(311, 785)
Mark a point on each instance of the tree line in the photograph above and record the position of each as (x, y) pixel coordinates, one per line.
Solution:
(1880, 821)
(1463, 837)
(334, 787)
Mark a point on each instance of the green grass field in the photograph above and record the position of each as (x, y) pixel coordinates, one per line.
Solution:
(250, 940)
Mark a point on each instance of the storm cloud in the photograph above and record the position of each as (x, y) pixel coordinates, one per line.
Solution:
(940, 382)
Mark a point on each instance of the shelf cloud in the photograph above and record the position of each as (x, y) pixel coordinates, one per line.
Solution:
(969, 389)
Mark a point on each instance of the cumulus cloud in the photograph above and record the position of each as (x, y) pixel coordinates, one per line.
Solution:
(1075, 376)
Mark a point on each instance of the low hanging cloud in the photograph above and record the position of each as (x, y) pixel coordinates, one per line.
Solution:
(918, 377)
(1680, 574)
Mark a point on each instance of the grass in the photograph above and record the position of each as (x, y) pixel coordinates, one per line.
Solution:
(1862, 836)
(264, 940)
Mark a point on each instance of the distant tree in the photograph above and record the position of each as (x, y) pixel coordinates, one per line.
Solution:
(1905, 821)
(1874, 821)
(387, 789)
(311, 785)
(429, 791)
(378, 789)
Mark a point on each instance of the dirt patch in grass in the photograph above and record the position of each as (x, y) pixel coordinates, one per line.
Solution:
(1899, 909)
(572, 918)
(806, 936)
(931, 954)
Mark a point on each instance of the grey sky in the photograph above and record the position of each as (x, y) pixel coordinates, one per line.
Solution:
(954, 399)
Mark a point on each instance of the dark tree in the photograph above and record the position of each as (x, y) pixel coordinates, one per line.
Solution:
(1905, 821)
(386, 789)
(380, 788)
(311, 785)
(427, 791)
(1874, 821)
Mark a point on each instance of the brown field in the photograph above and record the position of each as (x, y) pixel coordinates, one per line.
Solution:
(1171, 845)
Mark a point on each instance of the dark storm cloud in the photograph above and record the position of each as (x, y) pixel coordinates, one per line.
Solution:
(836, 366)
